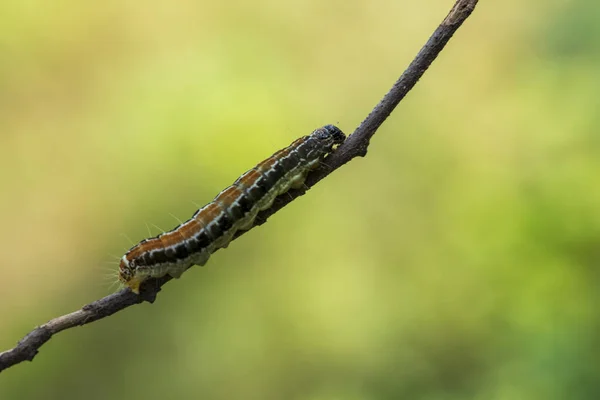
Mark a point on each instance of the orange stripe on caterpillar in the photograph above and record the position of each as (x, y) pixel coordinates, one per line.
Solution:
(235, 208)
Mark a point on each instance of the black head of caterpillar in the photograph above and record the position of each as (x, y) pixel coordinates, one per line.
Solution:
(329, 135)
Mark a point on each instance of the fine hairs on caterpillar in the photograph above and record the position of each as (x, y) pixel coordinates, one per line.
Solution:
(213, 226)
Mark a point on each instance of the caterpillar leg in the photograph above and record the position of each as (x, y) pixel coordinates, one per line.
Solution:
(298, 181)
(176, 272)
(134, 285)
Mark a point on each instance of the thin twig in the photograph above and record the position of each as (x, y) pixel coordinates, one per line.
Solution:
(356, 145)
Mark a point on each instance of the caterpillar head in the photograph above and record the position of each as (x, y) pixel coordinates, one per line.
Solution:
(329, 135)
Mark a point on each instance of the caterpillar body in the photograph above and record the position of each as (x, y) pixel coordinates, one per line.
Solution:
(213, 226)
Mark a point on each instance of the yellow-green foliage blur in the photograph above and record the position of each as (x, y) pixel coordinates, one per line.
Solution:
(458, 260)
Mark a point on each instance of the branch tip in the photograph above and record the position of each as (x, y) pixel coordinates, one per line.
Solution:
(461, 11)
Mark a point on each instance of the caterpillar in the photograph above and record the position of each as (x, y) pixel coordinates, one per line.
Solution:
(213, 226)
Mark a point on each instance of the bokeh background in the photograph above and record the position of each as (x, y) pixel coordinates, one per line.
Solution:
(458, 260)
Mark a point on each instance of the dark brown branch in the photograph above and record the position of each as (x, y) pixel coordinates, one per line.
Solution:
(356, 145)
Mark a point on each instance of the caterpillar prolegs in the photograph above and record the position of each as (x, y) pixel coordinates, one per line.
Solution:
(213, 226)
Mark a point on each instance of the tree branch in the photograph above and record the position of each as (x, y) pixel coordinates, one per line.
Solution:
(356, 145)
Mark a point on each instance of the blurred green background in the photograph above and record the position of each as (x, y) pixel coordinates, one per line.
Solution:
(458, 260)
